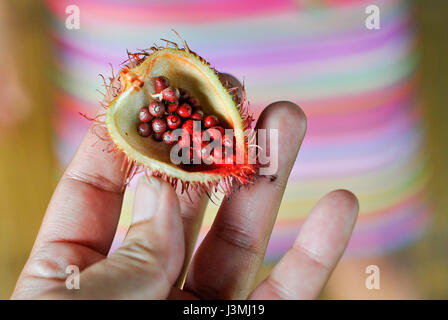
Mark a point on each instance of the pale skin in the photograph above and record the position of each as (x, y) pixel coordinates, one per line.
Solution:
(82, 217)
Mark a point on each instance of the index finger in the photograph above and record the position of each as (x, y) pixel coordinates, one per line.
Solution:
(86, 204)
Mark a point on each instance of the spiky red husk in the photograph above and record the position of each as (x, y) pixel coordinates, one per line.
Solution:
(229, 181)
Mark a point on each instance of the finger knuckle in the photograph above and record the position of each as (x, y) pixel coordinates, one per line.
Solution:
(139, 251)
(303, 253)
(239, 236)
(278, 290)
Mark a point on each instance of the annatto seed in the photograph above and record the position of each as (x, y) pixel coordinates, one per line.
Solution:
(188, 126)
(185, 110)
(167, 137)
(144, 129)
(184, 94)
(188, 153)
(171, 107)
(160, 83)
(158, 136)
(218, 154)
(159, 125)
(213, 134)
(197, 137)
(205, 153)
(156, 108)
(170, 94)
(194, 102)
(210, 121)
(144, 115)
(173, 121)
(219, 128)
(197, 115)
(184, 140)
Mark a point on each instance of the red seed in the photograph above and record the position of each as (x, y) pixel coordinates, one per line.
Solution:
(156, 108)
(144, 115)
(185, 110)
(159, 125)
(197, 115)
(160, 83)
(210, 121)
(144, 129)
(218, 153)
(200, 152)
(170, 94)
(171, 107)
(220, 129)
(188, 126)
(168, 137)
(194, 102)
(189, 153)
(205, 153)
(197, 138)
(214, 133)
(184, 140)
(158, 136)
(197, 148)
(173, 121)
(184, 94)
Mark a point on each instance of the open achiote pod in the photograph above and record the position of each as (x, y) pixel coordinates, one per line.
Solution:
(168, 88)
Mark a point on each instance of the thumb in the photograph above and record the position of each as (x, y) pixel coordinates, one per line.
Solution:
(151, 257)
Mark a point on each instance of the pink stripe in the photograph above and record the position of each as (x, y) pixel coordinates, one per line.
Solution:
(94, 12)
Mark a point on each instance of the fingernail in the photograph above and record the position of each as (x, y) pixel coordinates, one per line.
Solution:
(146, 199)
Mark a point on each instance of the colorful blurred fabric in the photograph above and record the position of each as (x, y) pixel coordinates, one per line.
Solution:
(357, 86)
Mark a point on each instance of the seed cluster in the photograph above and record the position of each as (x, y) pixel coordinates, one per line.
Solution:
(175, 108)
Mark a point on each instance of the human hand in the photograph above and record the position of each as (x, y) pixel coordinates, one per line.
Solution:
(82, 217)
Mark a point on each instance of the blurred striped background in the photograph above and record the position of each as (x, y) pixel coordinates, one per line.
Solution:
(357, 86)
